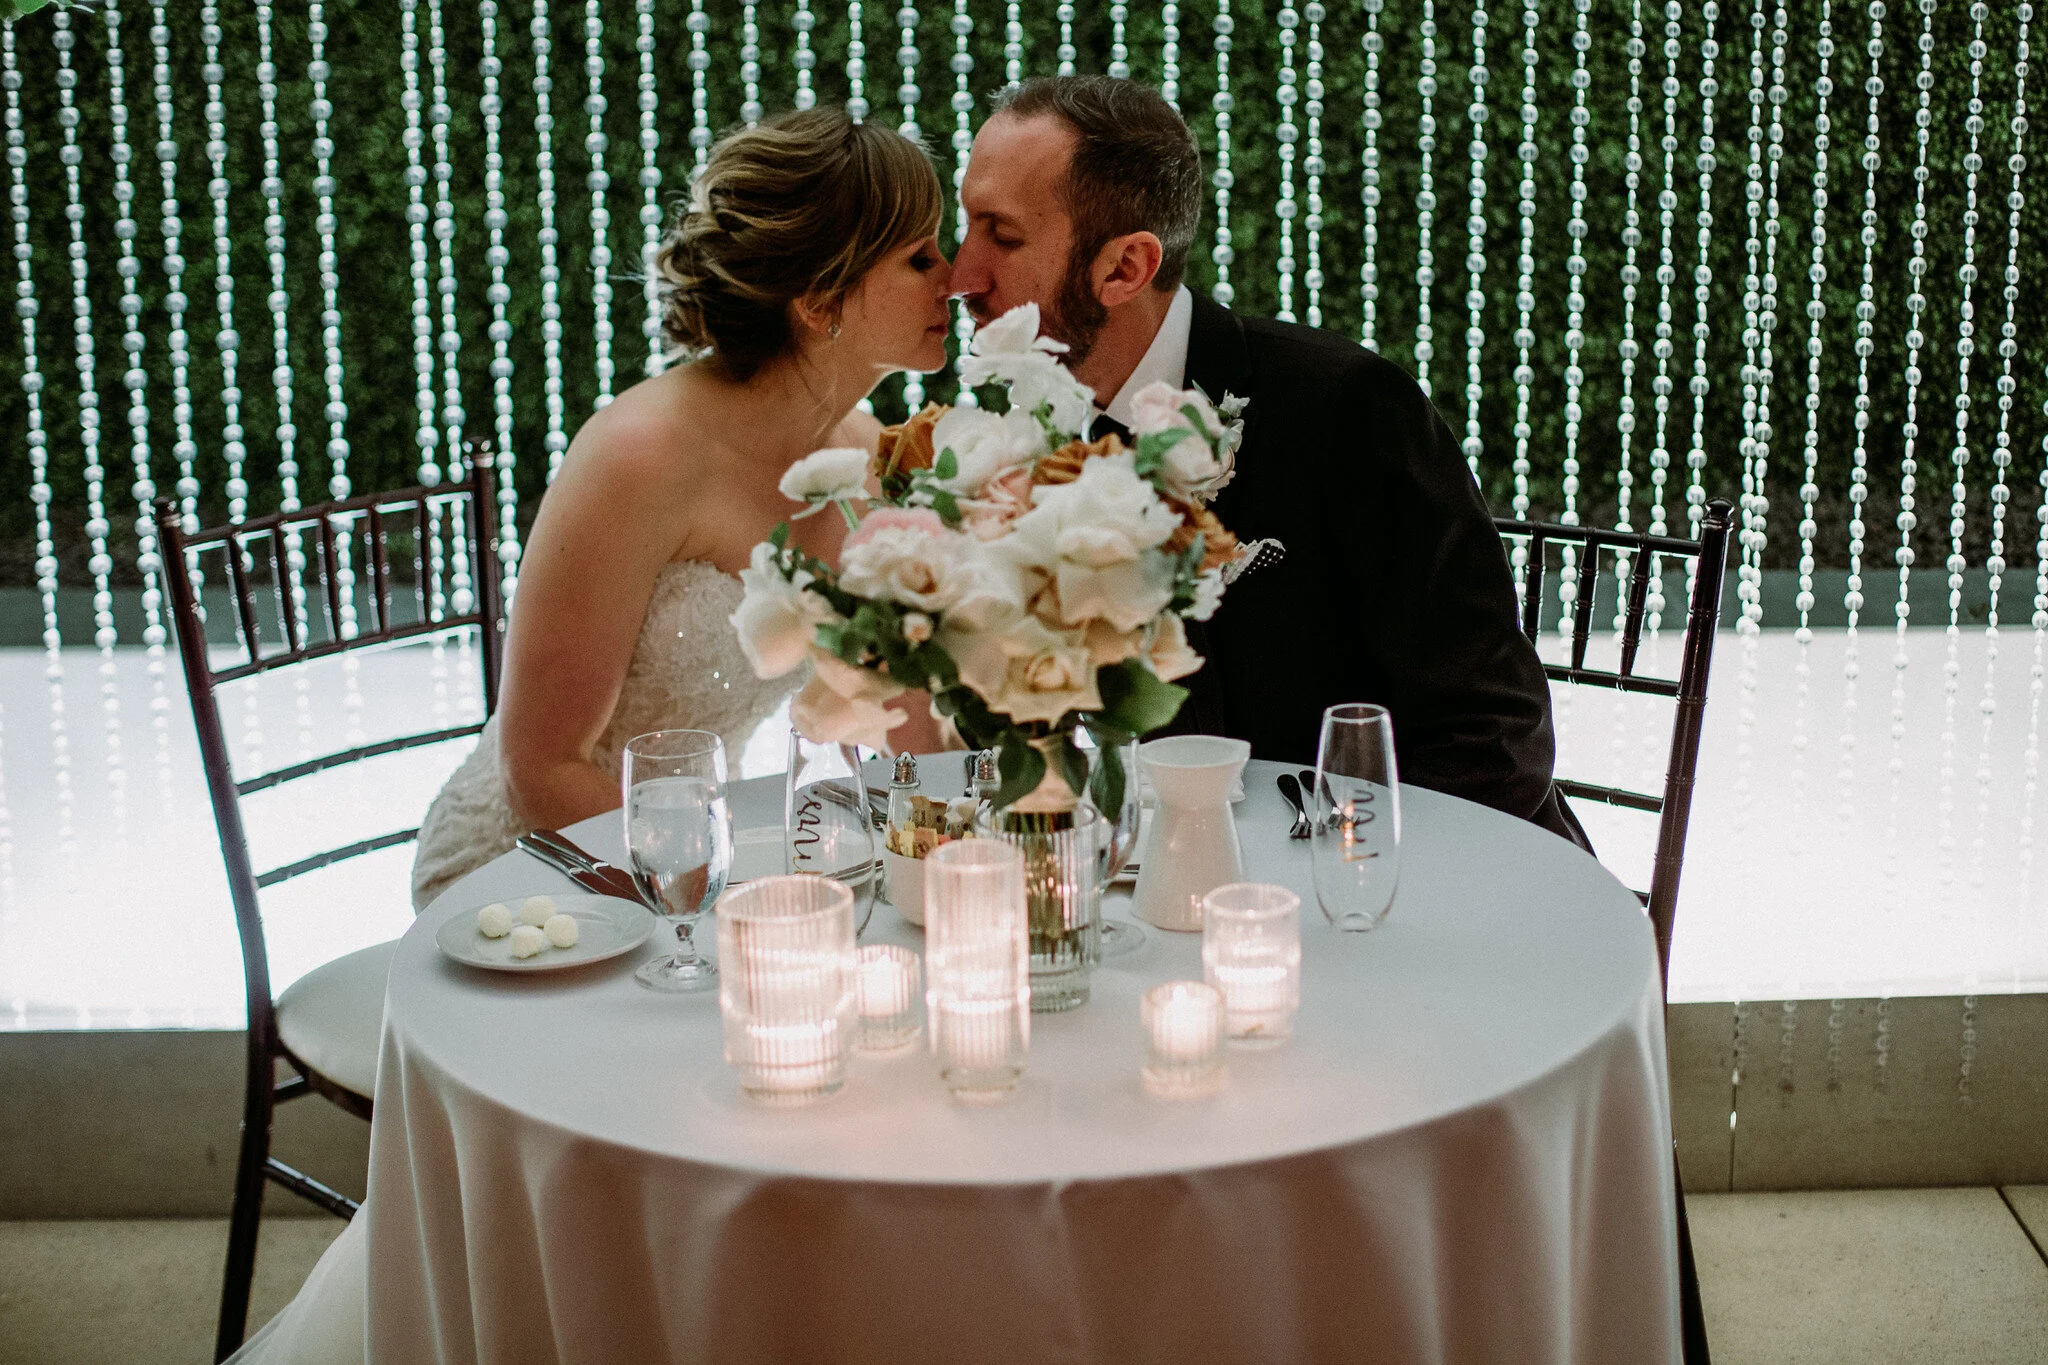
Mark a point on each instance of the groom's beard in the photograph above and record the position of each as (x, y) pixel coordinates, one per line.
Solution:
(1076, 317)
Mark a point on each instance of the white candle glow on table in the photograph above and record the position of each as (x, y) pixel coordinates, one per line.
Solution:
(976, 964)
(1251, 952)
(787, 985)
(1184, 1039)
(888, 997)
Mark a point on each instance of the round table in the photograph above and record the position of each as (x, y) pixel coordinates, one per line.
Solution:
(1463, 1154)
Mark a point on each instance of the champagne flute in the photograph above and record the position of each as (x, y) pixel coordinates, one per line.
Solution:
(679, 840)
(1355, 810)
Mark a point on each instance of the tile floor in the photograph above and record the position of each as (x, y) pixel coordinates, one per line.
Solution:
(1864, 1276)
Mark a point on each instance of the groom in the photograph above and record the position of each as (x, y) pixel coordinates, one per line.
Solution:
(1083, 195)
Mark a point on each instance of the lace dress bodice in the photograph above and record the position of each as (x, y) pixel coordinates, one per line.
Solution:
(687, 672)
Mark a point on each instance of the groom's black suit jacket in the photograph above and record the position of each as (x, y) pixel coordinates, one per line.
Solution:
(1394, 589)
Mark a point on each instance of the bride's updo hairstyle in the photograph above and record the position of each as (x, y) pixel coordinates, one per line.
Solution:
(801, 205)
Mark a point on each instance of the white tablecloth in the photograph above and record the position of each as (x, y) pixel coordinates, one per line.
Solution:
(1464, 1154)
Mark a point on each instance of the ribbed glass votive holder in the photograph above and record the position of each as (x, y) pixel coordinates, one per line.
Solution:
(889, 980)
(788, 985)
(1065, 858)
(1251, 952)
(978, 983)
(1183, 1039)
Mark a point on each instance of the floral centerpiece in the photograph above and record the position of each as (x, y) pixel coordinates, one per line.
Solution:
(1034, 582)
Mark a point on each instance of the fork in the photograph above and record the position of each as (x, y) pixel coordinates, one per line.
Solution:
(1290, 787)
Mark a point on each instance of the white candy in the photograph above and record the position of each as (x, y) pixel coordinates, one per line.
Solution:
(494, 920)
(561, 930)
(537, 910)
(527, 940)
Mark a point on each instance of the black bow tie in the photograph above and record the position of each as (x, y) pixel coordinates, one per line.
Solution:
(1106, 425)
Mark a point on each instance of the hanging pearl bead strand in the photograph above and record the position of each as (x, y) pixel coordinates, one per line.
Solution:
(2001, 455)
(595, 144)
(1667, 273)
(650, 176)
(1859, 474)
(184, 450)
(699, 62)
(1809, 487)
(856, 62)
(101, 564)
(1525, 271)
(1065, 54)
(1013, 42)
(1475, 246)
(1425, 199)
(1369, 186)
(1223, 253)
(1285, 134)
(557, 440)
(136, 381)
(1631, 277)
(1909, 465)
(1169, 53)
(27, 308)
(227, 341)
(802, 59)
(750, 64)
(336, 410)
(280, 324)
(963, 143)
(453, 416)
(498, 294)
(1702, 278)
(428, 432)
(1119, 46)
(907, 95)
(1575, 264)
(1312, 165)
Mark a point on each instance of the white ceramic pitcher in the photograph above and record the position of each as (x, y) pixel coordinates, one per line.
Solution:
(1192, 848)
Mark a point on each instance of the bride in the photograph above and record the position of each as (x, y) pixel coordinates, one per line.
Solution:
(804, 272)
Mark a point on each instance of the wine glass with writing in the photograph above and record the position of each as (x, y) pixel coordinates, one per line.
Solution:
(1355, 814)
(678, 841)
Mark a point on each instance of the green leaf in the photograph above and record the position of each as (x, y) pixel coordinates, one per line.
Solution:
(1194, 416)
(946, 506)
(947, 466)
(779, 537)
(1134, 699)
(1073, 763)
(1106, 787)
(1022, 768)
(937, 666)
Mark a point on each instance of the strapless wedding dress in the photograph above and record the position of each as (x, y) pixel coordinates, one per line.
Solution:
(687, 672)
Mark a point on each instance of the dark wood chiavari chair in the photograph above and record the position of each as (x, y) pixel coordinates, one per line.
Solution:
(323, 580)
(1636, 558)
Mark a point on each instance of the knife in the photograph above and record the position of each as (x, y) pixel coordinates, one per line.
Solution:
(587, 872)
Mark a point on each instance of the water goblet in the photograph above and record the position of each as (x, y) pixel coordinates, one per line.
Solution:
(678, 841)
(1355, 809)
(1113, 788)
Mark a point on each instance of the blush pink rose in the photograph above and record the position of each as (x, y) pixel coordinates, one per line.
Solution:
(895, 518)
(1003, 499)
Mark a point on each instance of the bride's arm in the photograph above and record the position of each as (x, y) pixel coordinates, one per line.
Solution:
(605, 529)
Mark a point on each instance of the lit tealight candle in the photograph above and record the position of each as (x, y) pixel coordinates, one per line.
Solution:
(1251, 952)
(1184, 1039)
(888, 997)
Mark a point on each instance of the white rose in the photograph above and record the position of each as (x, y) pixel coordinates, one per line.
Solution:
(1025, 671)
(823, 716)
(911, 566)
(1192, 464)
(833, 474)
(1208, 595)
(1014, 333)
(1010, 350)
(1107, 645)
(1089, 540)
(1048, 384)
(777, 618)
(984, 445)
(851, 681)
(917, 627)
(1168, 651)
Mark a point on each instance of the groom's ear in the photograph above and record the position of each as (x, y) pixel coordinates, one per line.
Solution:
(1125, 267)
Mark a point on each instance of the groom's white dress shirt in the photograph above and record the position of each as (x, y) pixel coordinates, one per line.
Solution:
(1165, 359)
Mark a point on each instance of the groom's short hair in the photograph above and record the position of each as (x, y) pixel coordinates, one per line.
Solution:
(1136, 167)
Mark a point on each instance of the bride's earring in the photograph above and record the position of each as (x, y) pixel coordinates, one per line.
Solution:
(833, 331)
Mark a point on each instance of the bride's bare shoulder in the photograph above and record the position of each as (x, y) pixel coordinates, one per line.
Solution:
(859, 429)
(647, 437)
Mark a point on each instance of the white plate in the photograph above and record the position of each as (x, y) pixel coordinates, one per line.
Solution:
(605, 927)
